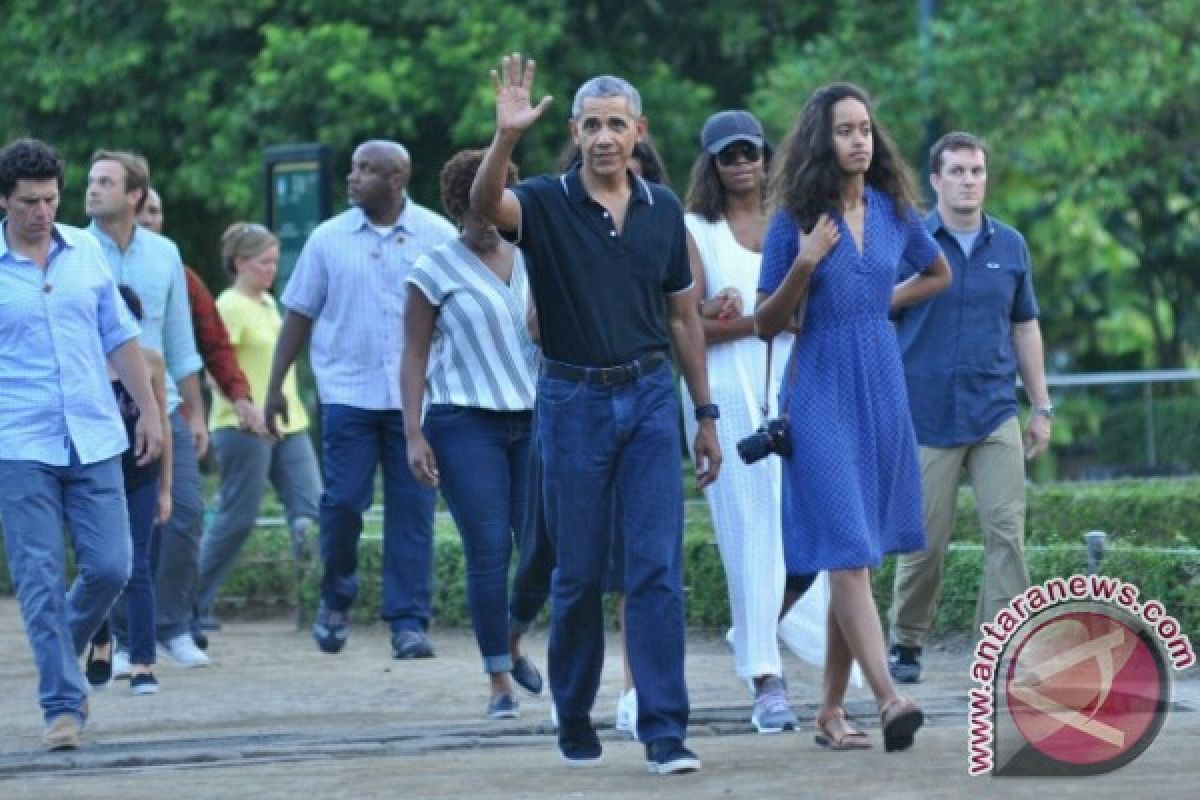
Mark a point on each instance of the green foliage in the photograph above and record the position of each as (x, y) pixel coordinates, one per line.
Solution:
(1153, 527)
(1090, 109)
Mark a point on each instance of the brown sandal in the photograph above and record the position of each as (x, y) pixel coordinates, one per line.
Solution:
(900, 720)
(835, 733)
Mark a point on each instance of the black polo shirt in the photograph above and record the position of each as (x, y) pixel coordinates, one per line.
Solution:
(601, 296)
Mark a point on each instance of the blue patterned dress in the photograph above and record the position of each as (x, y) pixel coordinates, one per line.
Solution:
(852, 488)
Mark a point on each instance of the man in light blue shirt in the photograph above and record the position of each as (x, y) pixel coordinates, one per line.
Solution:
(347, 291)
(61, 435)
(149, 263)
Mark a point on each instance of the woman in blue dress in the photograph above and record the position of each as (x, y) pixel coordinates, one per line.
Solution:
(844, 222)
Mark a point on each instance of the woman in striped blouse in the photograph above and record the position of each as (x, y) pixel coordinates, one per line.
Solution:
(468, 346)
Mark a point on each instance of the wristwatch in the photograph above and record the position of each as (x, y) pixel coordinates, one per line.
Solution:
(1046, 411)
(709, 411)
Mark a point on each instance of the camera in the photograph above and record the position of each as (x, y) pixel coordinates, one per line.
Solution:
(773, 437)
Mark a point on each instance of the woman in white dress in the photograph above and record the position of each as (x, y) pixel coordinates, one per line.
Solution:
(726, 221)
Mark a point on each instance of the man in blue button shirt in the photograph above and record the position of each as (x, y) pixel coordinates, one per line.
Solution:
(61, 435)
(347, 293)
(962, 351)
(118, 182)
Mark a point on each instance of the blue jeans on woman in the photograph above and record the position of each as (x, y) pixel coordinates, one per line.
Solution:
(484, 463)
(137, 602)
(139, 593)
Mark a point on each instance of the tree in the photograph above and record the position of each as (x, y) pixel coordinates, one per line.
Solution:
(1092, 112)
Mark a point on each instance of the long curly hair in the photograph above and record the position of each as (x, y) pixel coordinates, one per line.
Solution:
(806, 180)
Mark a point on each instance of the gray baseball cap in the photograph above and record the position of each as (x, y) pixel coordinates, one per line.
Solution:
(726, 127)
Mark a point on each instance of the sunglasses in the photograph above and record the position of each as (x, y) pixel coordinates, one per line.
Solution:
(744, 151)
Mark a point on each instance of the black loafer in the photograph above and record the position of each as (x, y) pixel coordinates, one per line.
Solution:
(526, 675)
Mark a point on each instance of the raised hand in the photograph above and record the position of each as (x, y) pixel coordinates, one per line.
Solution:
(514, 88)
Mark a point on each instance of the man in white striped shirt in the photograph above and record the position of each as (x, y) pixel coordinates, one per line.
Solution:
(347, 291)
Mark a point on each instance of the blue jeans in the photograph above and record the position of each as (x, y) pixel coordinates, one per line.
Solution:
(35, 500)
(177, 560)
(484, 463)
(137, 602)
(535, 565)
(353, 441)
(611, 457)
(139, 592)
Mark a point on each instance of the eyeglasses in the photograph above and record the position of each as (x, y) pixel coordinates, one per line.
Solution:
(744, 151)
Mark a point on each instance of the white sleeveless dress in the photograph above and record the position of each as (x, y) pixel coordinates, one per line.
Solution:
(746, 499)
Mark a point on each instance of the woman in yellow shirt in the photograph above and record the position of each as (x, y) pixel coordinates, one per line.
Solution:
(247, 460)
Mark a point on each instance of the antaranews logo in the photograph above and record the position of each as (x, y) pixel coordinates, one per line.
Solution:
(1074, 679)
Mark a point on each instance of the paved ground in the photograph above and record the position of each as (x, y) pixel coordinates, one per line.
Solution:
(274, 718)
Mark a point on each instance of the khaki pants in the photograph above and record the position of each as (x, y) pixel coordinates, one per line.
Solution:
(996, 469)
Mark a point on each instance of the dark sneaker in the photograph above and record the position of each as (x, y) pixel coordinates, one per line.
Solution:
(503, 707)
(668, 756)
(99, 671)
(330, 630)
(411, 644)
(579, 744)
(904, 663)
(143, 683)
(527, 676)
(199, 637)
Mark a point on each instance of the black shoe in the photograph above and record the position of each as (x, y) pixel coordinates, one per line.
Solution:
(904, 663)
(579, 744)
(99, 670)
(330, 630)
(668, 756)
(200, 638)
(526, 675)
(411, 644)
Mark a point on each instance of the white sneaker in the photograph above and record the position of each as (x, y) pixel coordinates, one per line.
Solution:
(183, 651)
(553, 713)
(120, 667)
(627, 713)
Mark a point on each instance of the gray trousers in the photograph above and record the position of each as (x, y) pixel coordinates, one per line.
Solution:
(246, 463)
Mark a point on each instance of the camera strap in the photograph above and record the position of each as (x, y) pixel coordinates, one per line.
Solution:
(791, 368)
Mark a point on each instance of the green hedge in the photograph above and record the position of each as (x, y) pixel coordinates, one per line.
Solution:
(1121, 438)
(1139, 515)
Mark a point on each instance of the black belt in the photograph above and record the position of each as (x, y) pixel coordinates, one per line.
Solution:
(605, 376)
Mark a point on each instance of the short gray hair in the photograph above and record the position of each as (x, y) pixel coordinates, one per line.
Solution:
(607, 86)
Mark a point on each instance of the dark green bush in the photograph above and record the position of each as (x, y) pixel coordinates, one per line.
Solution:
(1139, 515)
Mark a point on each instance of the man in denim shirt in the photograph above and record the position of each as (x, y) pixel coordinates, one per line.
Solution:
(962, 351)
(61, 435)
(149, 263)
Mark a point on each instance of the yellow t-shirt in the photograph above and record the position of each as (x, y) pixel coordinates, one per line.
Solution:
(253, 327)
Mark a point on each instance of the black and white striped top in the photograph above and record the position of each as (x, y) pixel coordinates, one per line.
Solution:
(482, 355)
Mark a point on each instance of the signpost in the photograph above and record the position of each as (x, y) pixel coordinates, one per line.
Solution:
(299, 179)
(299, 198)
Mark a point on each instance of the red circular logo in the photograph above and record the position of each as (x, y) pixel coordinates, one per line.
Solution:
(1086, 690)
